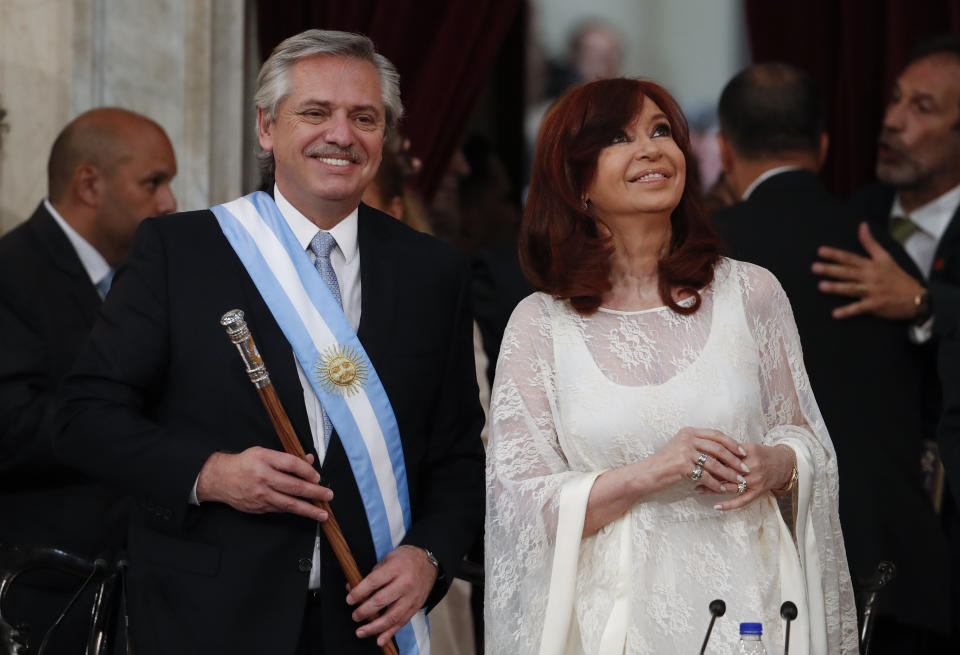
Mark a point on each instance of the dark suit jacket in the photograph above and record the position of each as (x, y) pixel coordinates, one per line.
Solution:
(160, 388)
(498, 286)
(868, 381)
(47, 307)
(874, 204)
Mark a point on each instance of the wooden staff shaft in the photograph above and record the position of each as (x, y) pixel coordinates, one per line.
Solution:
(291, 444)
(240, 335)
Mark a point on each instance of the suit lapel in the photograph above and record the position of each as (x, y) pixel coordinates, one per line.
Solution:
(378, 266)
(65, 260)
(948, 244)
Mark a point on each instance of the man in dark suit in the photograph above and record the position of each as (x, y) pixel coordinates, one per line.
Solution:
(108, 170)
(917, 278)
(225, 555)
(911, 232)
(864, 372)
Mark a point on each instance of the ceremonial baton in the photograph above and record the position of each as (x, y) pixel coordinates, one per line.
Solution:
(240, 335)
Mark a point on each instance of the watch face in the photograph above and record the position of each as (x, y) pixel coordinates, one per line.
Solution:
(923, 306)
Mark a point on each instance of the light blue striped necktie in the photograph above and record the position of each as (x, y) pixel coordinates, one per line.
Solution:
(103, 286)
(321, 246)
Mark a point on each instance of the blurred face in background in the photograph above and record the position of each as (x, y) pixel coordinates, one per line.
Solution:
(597, 54)
(135, 187)
(919, 144)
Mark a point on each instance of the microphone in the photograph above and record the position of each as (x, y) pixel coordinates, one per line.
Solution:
(717, 608)
(789, 612)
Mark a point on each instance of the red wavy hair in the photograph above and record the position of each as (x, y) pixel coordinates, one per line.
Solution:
(562, 251)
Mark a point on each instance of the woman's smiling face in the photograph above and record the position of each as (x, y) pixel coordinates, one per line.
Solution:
(642, 171)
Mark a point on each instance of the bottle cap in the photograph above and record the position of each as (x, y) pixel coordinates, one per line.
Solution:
(751, 628)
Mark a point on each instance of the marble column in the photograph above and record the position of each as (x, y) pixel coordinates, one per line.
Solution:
(180, 62)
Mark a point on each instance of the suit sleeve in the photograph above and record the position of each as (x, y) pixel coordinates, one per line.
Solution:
(449, 511)
(948, 433)
(27, 400)
(946, 326)
(105, 421)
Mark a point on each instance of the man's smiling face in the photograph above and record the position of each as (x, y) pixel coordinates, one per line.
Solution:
(327, 136)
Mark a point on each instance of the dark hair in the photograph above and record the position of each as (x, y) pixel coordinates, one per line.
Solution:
(562, 251)
(943, 45)
(771, 109)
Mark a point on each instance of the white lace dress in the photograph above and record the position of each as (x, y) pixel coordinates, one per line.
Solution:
(575, 396)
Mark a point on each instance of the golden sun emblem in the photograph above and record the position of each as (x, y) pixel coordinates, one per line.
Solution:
(341, 370)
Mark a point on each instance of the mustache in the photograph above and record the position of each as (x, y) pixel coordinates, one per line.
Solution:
(889, 139)
(350, 154)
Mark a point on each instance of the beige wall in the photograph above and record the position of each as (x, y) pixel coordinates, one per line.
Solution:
(180, 62)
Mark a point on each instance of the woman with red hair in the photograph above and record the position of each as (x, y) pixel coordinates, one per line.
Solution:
(651, 414)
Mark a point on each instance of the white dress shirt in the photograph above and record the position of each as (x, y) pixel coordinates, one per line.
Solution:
(932, 219)
(345, 259)
(93, 262)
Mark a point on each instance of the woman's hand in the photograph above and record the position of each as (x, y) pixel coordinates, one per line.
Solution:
(615, 491)
(721, 468)
(770, 468)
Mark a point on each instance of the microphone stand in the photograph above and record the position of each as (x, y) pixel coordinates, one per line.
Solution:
(239, 334)
(789, 612)
(717, 608)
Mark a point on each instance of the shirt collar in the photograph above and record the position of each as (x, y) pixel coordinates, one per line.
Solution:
(766, 175)
(344, 232)
(933, 217)
(93, 262)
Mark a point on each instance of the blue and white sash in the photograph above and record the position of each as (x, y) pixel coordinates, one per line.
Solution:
(324, 341)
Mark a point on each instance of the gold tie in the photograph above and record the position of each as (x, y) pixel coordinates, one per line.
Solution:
(901, 228)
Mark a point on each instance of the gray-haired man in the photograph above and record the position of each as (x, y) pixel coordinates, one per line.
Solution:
(225, 551)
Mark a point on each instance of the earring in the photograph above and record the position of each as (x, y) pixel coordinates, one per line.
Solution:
(585, 202)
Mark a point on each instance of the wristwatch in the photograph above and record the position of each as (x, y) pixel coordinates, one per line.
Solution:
(433, 560)
(923, 305)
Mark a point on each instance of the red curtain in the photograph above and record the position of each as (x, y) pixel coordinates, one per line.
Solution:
(443, 50)
(854, 48)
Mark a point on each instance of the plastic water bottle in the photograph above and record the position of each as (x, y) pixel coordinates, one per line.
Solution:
(750, 640)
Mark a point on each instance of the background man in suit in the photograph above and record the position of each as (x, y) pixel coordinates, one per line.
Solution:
(914, 278)
(224, 547)
(108, 170)
(864, 372)
(911, 231)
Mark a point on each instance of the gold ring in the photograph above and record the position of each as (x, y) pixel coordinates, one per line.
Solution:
(701, 459)
(741, 487)
(697, 473)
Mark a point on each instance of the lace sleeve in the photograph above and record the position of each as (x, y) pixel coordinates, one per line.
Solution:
(527, 473)
(791, 416)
